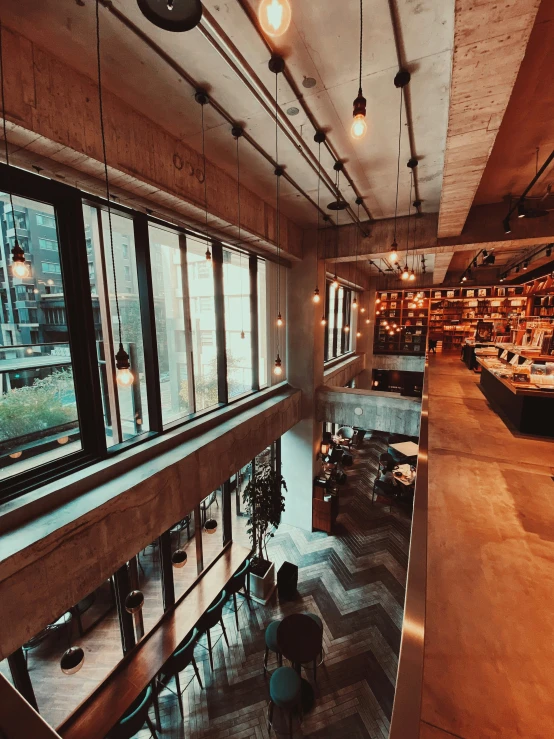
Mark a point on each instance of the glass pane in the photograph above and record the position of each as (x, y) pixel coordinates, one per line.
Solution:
(146, 575)
(202, 312)
(167, 287)
(238, 509)
(331, 321)
(183, 539)
(263, 334)
(38, 411)
(211, 509)
(91, 624)
(238, 327)
(5, 671)
(125, 409)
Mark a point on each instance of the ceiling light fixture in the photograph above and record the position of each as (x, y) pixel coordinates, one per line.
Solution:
(276, 65)
(359, 125)
(400, 81)
(124, 376)
(172, 15)
(274, 17)
(319, 138)
(406, 274)
(506, 225)
(20, 268)
(521, 213)
(525, 265)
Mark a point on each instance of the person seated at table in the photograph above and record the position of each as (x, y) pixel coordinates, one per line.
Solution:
(386, 473)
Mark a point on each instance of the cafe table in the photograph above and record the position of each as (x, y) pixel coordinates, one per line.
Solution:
(407, 475)
(407, 448)
(299, 640)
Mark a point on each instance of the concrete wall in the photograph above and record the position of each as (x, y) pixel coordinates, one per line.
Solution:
(300, 445)
(52, 562)
(343, 372)
(370, 410)
(397, 362)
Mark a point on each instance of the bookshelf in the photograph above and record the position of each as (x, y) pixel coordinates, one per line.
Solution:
(542, 305)
(455, 312)
(401, 322)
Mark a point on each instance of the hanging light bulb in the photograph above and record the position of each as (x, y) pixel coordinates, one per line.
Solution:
(20, 268)
(405, 273)
(394, 252)
(316, 297)
(367, 320)
(355, 303)
(359, 126)
(358, 334)
(278, 369)
(377, 300)
(412, 276)
(72, 660)
(362, 310)
(394, 325)
(279, 320)
(323, 321)
(391, 332)
(347, 328)
(208, 255)
(464, 278)
(335, 283)
(377, 312)
(242, 334)
(274, 16)
(124, 376)
(134, 601)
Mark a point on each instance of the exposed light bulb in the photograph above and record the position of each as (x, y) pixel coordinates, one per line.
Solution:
(279, 320)
(377, 312)
(347, 329)
(359, 127)
(278, 369)
(354, 304)
(412, 276)
(323, 321)
(208, 255)
(316, 297)
(405, 273)
(362, 310)
(391, 332)
(394, 252)
(377, 300)
(367, 320)
(358, 334)
(274, 16)
(20, 269)
(335, 283)
(394, 325)
(242, 334)
(464, 279)
(125, 378)
(397, 330)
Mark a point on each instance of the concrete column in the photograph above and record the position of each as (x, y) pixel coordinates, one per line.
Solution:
(365, 341)
(300, 445)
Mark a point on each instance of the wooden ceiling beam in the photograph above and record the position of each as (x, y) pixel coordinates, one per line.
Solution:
(490, 38)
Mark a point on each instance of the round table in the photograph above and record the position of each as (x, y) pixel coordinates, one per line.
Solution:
(299, 639)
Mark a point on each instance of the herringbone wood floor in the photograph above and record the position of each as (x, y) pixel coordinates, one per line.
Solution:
(354, 580)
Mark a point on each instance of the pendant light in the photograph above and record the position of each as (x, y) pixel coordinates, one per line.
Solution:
(319, 138)
(210, 527)
(20, 268)
(73, 658)
(274, 17)
(405, 272)
(336, 205)
(276, 65)
(400, 81)
(202, 98)
(172, 15)
(417, 205)
(134, 601)
(411, 165)
(359, 125)
(179, 558)
(124, 376)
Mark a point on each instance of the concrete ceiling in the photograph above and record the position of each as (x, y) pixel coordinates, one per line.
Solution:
(322, 43)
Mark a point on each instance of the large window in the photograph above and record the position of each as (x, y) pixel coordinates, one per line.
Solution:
(338, 312)
(199, 333)
(38, 412)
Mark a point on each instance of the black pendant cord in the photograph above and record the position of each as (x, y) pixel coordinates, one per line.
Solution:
(398, 161)
(361, 41)
(205, 185)
(278, 214)
(318, 214)
(240, 252)
(414, 255)
(337, 222)
(6, 149)
(103, 136)
(357, 244)
(409, 214)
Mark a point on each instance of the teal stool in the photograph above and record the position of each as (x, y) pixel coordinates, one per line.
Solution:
(271, 644)
(319, 622)
(285, 692)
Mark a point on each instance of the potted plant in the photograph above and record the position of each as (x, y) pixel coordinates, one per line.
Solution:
(264, 502)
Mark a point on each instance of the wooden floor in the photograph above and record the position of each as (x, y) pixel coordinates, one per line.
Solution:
(355, 582)
(489, 638)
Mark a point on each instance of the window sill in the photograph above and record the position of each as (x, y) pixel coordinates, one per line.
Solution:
(332, 363)
(62, 491)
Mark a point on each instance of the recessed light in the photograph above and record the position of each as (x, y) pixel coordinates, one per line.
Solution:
(292, 111)
(309, 82)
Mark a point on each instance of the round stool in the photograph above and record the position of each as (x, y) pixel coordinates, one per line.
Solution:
(271, 643)
(285, 691)
(319, 622)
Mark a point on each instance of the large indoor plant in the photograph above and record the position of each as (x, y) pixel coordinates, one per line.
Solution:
(264, 501)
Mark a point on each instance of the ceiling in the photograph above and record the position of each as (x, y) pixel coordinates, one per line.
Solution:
(322, 43)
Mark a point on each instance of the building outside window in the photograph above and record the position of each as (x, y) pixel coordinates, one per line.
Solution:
(338, 313)
(238, 326)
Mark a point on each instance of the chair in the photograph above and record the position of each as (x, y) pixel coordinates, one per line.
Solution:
(285, 691)
(319, 622)
(384, 490)
(240, 581)
(271, 644)
(346, 434)
(178, 662)
(213, 617)
(135, 718)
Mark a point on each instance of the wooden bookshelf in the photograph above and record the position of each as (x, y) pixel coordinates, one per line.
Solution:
(407, 317)
(455, 312)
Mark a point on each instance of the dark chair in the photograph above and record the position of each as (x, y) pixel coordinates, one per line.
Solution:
(177, 663)
(271, 644)
(384, 490)
(285, 692)
(346, 434)
(212, 618)
(240, 581)
(287, 581)
(135, 718)
(319, 622)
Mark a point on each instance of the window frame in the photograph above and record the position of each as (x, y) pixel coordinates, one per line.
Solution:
(338, 342)
(68, 205)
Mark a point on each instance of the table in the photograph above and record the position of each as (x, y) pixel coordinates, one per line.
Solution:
(299, 639)
(408, 477)
(407, 448)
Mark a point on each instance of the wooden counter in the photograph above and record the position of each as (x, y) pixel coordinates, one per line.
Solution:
(104, 707)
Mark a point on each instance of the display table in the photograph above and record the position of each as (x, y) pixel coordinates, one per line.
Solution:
(530, 410)
(468, 352)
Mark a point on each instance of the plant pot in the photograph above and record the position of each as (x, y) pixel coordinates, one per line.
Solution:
(261, 588)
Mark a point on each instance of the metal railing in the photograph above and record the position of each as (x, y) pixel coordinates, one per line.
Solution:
(406, 712)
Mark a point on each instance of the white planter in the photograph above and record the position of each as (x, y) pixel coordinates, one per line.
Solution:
(261, 588)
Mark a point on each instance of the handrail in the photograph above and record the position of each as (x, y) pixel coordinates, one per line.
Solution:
(406, 710)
